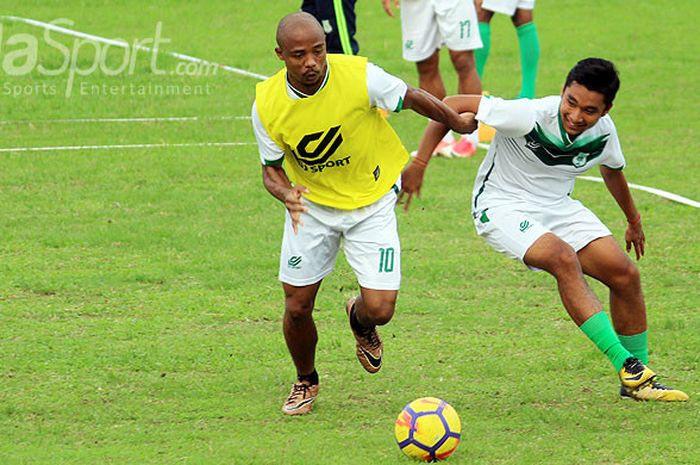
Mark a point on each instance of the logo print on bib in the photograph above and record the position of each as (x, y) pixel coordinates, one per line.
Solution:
(323, 151)
(316, 159)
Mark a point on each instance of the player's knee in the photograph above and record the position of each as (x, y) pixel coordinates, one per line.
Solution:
(463, 62)
(383, 315)
(564, 261)
(626, 277)
(297, 309)
(381, 310)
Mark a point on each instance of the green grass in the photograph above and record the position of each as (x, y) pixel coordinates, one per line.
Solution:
(140, 312)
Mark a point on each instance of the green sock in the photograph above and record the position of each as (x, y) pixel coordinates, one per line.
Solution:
(529, 57)
(637, 344)
(599, 330)
(482, 54)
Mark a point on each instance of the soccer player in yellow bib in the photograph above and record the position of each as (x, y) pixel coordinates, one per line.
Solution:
(522, 206)
(335, 163)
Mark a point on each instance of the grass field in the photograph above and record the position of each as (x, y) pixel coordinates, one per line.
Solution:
(140, 313)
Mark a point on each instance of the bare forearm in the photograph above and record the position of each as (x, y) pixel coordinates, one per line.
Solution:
(431, 137)
(616, 183)
(425, 104)
(463, 103)
(276, 182)
(437, 130)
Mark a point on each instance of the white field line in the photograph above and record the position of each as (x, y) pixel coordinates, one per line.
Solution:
(652, 190)
(124, 44)
(122, 146)
(126, 120)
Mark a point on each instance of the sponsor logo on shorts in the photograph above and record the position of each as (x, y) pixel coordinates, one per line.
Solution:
(294, 262)
(525, 225)
(408, 45)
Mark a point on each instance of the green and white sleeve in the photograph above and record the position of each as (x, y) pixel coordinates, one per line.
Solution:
(270, 153)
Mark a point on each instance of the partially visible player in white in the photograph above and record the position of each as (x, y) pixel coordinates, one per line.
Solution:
(427, 25)
(522, 207)
(520, 13)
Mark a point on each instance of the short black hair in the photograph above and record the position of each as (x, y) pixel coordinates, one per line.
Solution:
(598, 75)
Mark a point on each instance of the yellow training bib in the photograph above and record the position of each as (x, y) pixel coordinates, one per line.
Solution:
(335, 144)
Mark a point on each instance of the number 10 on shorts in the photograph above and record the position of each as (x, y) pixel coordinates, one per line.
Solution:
(386, 260)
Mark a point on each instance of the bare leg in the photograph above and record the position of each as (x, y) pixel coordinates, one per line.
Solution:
(557, 257)
(604, 260)
(375, 307)
(484, 16)
(521, 17)
(299, 327)
(429, 78)
(463, 63)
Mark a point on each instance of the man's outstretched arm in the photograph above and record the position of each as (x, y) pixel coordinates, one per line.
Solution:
(464, 106)
(616, 183)
(425, 104)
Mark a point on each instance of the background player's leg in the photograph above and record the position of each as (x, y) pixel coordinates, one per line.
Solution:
(468, 83)
(529, 42)
(604, 260)
(346, 25)
(482, 54)
(337, 18)
(429, 78)
(463, 62)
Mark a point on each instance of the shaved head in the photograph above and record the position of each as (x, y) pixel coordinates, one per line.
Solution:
(298, 25)
(301, 44)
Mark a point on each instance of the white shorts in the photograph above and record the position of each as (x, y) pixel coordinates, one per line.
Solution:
(368, 235)
(512, 229)
(428, 24)
(507, 7)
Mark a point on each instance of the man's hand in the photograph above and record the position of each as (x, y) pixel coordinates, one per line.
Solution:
(634, 235)
(387, 6)
(295, 204)
(411, 182)
(467, 123)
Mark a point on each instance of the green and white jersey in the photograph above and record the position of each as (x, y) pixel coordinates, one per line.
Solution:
(532, 159)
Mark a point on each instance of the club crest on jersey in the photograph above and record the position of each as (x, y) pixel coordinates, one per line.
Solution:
(317, 159)
(580, 160)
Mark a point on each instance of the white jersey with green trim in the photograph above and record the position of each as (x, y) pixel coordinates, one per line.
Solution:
(532, 159)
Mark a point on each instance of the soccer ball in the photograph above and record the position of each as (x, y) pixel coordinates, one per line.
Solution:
(428, 429)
